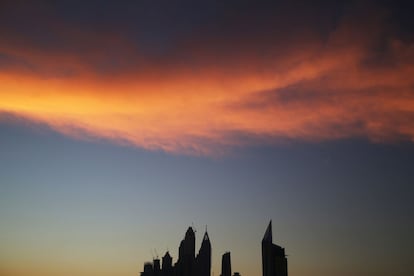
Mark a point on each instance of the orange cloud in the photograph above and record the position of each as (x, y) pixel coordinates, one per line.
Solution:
(311, 91)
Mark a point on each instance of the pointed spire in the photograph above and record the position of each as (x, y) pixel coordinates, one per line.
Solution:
(206, 237)
(268, 234)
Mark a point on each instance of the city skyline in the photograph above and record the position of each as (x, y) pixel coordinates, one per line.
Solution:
(123, 122)
(274, 262)
(188, 262)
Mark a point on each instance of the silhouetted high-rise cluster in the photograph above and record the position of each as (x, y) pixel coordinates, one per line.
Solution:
(188, 264)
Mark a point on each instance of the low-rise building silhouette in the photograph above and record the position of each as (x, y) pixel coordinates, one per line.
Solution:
(148, 270)
(226, 264)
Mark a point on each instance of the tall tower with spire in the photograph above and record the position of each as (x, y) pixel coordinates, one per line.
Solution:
(274, 262)
(203, 260)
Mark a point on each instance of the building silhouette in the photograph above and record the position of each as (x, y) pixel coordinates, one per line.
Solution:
(274, 262)
(157, 267)
(203, 260)
(167, 268)
(187, 264)
(226, 264)
(148, 270)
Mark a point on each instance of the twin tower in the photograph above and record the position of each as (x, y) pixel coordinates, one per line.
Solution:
(274, 262)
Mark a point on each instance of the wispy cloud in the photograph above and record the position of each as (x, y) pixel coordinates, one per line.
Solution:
(207, 91)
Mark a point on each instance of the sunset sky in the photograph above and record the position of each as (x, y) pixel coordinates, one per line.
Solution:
(121, 124)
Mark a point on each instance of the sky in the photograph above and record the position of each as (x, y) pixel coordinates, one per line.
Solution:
(122, 124)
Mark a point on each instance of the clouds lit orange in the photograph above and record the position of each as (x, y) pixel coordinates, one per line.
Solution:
(316, 90)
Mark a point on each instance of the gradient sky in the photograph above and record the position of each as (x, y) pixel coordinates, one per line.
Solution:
(123, 124)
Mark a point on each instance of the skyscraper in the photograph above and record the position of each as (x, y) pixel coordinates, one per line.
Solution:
(226, 264)
(157, 267)
(203, 260)
(274, 262)
(187, 264)
(186, 252)
(167, 268)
